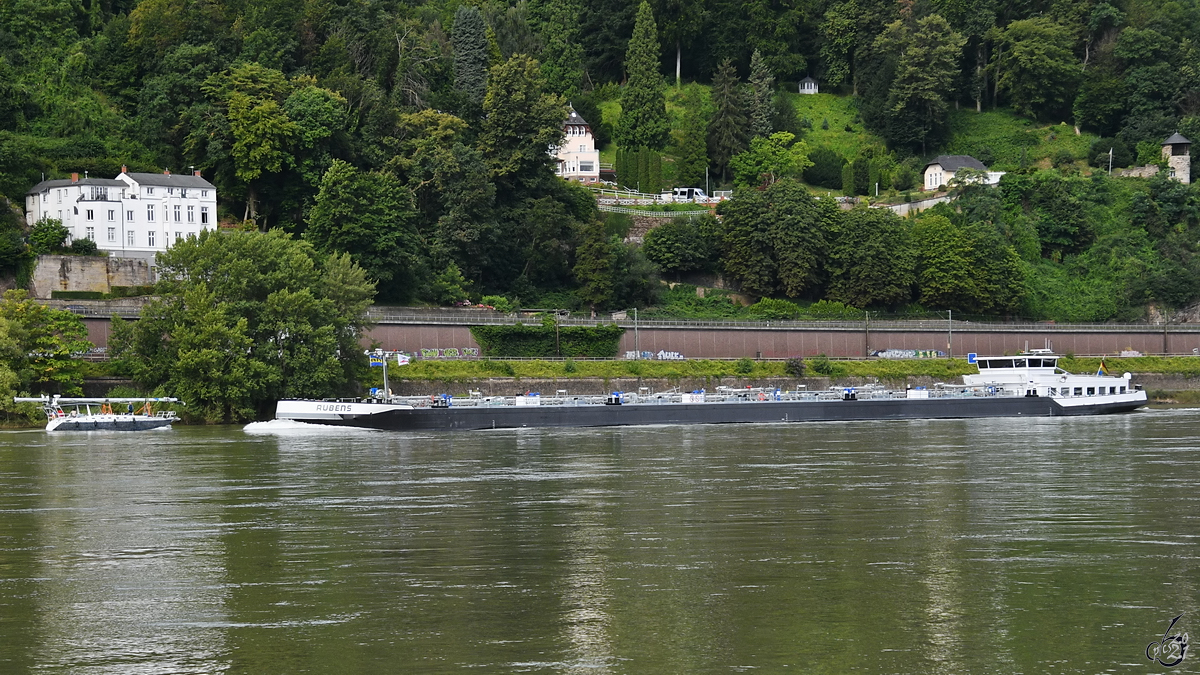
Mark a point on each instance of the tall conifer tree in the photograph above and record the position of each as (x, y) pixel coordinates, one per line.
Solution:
(643, 106)
(762, 104)
(469, 37)
(727, 129)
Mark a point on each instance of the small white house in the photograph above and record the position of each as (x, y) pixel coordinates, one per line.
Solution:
(943, 169)
(578, 157)
(808, 86)
(134, 215)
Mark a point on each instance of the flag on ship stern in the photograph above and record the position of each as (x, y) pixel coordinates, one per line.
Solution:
(1102, 372)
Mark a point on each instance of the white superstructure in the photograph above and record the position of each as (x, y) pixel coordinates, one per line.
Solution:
(1036, 373)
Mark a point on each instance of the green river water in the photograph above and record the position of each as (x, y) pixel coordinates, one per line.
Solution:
(970, 546)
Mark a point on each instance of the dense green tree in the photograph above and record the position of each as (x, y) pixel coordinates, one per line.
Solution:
(557, 23)
(727, 128)
(371, 216)
(773, 239)
(691, 144)
(469, 37)
(596, 258)
(643, 107)
(825, 168)
(1036, 68)
(679, 22)
(871, 260)
(40, 346)
(927, 53)
(521, 120)
(244, 319)
(769, 159)
(683, 245)
(761, 106)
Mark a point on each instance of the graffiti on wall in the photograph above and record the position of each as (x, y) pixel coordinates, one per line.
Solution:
(661, 355)
(450, 353)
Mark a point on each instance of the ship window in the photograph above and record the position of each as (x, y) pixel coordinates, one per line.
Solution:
(1112, 390)
(1020, 363)
(1079, 391)
(1053, 391)
(982, 364)
(1122, 390)
(1091, 391)
(1035, 363)
(1002, 363)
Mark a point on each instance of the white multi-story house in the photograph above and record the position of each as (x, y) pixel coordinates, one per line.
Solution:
(578, 157)
(134, 215)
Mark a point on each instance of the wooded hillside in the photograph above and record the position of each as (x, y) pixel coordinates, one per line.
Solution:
(413, 136)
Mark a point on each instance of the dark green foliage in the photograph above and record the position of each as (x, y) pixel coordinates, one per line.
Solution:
(469, 37)
(691, 147)
(40, 344)
(744, 366)
(245, 319)
(761, 108)
(826, 169)
(1036, 68)
(683, 245)
(773, 239)
(1098, 155)
(76, 295)
(83, 246)
(727, 129)
(916, 65)
(370, 216)
(539, 341)
(774, 309)
(871, 259)
(644, 113)
(48, 235)
(794, 366)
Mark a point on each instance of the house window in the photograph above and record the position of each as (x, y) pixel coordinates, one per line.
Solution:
(150, 212)
(203, 215)
(581, 149)
(191, 214)
(129, 216)
(149, 190)
(58, 194)
(170, 191)
(129, 237)
(178, 236)
(177, 214)
(586, 167)
(112, 234)
(150, 238)
(112, 215)
(90, 213)
(204, 193)
(60, 215)
(183, 192)
(91, 233)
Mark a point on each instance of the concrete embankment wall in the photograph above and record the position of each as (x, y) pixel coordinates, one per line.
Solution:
(87, 273)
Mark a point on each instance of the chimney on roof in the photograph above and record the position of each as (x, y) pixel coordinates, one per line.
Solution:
(74, 178)
(166, 172)
(196, 173)
(124, 169)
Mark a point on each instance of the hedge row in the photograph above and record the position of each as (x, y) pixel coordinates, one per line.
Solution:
(539, 341)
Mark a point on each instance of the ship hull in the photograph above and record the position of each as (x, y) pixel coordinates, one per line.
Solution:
(108, 423)
(394, 418)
